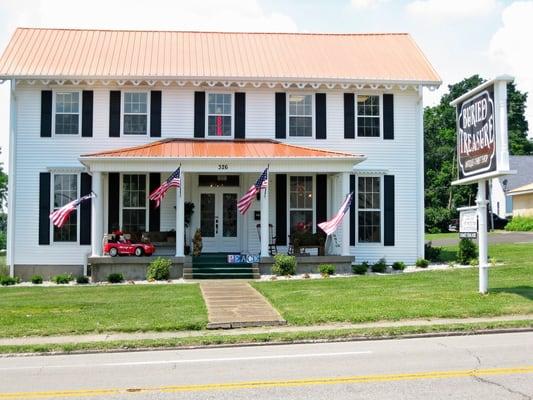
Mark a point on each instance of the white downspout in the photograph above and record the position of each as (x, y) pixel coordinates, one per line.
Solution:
(11, 180)
(421, 172)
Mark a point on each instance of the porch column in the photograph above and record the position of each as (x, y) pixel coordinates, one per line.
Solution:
(264, 222)
(345, 188)
(97, 214)
(180, 218)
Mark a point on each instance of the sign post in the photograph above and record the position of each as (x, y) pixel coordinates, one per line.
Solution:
(482, 151)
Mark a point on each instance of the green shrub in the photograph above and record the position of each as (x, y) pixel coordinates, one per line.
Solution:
(518, 223)
(284, 265)
(4, 270)
(380, 266)
(115, 277)
(474, 262)
(326, 269)
(431, 253)
(3, 240)
(360, 269)
(8, 281)
(422, 263)
(437, 219)
(62, 279)
(398, 266)
(159, 269)
(467, 251)
(82, 280)
(36, 279)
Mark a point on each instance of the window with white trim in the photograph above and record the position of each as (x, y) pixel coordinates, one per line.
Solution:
(65, 191)
(368, 116)
(301, 115)
(301, 204)
(219, 114)
(135, 113)
(67, 113)
(369, 209)
(134, 200)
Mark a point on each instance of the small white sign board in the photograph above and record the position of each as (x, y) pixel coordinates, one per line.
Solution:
(468, 224)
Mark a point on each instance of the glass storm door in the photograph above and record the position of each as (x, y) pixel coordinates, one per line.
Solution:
(219, 220)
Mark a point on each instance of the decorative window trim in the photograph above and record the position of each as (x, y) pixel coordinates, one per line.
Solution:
(55, 92)
(381, 210)
(232, 115)
(121, 200)
(289, 208)
(312, 116)
(122, 113)
(52, 208)
(356, 113)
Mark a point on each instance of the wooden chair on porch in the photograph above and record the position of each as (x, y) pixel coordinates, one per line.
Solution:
(272, 246)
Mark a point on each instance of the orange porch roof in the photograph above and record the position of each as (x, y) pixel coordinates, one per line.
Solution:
(203, 148)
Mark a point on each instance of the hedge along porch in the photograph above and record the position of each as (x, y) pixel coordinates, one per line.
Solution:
(214, 175)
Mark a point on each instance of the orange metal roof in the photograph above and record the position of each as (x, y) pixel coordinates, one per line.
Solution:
(106, 54)
(201, 148)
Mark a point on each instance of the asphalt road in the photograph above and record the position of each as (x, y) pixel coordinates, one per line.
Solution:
(498, 366)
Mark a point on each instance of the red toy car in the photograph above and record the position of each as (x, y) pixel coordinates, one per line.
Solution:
(126, 247)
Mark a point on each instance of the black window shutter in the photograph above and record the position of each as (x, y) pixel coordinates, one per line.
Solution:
(46, 113)
(352, 211)
(154, 214)
(85, 209)
(388, 116)
(240, 115)
(281, 209)
(349, 116)
(321, 199)
(320, 105)
(281, 111)
(44, 207)
(155, 113)
(388, 217)
(87, 114)
(199, 114)
(113, 201)
(114, 113)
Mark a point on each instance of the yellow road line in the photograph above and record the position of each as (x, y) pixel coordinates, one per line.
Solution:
(271, 384)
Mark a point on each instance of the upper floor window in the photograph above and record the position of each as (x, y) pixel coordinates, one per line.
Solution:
(369, 209)
(65, 191)
(368, 116)
(219, 112)
(67, 115)
(135, 113)
(300, 115)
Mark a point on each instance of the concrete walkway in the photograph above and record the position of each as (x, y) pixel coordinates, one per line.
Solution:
(110, 337)
(235, 304)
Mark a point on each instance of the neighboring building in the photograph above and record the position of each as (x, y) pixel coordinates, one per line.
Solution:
(522, 199)
(116, 112)
(501, 200)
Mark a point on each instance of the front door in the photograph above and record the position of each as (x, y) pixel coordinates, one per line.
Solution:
(219, 220)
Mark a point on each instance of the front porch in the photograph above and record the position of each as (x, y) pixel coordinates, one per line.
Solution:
(306, 186)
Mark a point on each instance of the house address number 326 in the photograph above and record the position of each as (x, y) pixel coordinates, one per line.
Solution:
(222, 166)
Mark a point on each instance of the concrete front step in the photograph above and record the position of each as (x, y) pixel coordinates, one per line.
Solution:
(227, 272)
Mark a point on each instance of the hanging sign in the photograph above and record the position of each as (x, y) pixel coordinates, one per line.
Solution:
(468, 223)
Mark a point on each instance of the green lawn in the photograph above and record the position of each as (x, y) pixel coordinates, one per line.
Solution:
(76, 310)
(436, 236)
(437, 294)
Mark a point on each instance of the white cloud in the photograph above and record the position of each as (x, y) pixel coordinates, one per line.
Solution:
(222, 15)
(510, 48)
(443, 10)
(361, 4)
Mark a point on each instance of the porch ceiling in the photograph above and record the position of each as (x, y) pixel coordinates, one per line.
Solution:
(232, 149)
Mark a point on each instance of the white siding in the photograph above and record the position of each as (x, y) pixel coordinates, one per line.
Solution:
(35, 154)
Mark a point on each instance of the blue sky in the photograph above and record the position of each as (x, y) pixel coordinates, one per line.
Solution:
(460, 37)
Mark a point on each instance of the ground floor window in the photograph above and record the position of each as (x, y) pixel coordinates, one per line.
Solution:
(134, 203)
(301, 204)
(369, 209)
(65, 191)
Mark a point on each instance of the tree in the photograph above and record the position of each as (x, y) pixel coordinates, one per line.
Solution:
(441, 198)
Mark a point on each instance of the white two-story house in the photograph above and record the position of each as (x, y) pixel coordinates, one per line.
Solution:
(115, 112)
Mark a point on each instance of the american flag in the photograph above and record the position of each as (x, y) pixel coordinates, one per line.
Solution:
(173, 180)
(60, 216)
(331, 226)
(246, 201)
